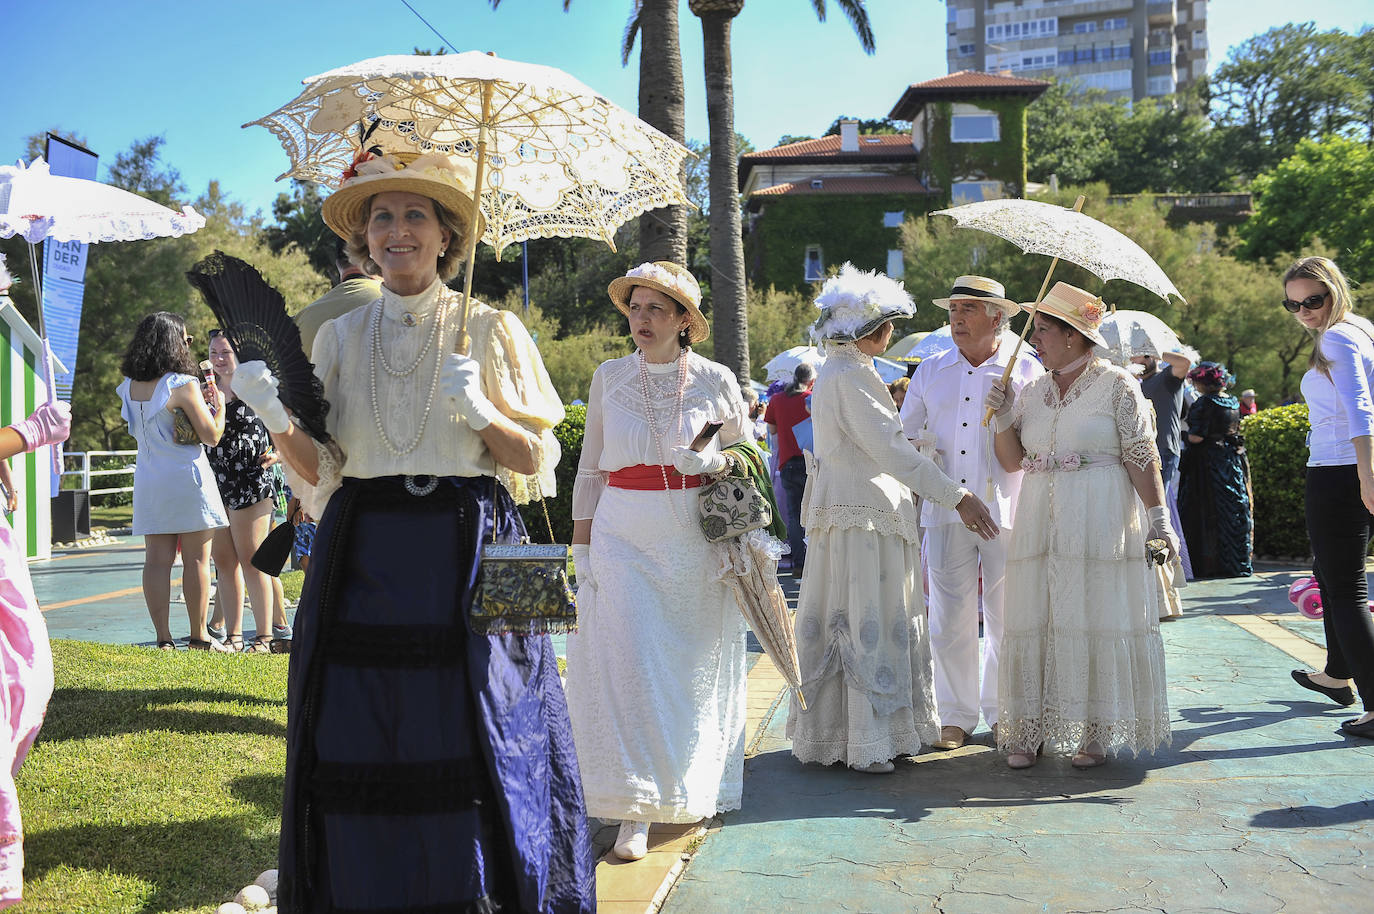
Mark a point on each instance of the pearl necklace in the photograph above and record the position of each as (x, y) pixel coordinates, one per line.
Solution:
(376, 355)
(653, 423)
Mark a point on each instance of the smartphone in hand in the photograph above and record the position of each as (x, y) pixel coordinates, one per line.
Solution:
(703, 438)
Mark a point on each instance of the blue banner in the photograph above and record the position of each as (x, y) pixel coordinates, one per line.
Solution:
(64, 268)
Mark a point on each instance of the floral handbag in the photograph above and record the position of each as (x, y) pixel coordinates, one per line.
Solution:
(732, 506)
(523, 588)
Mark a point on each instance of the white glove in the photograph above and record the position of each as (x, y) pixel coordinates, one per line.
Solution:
(1161, 528)
(1000, 400)
(582, 562)
(255, 386)
(689, 463)
(460, 381)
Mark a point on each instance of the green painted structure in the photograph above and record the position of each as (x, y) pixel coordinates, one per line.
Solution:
(814, 204)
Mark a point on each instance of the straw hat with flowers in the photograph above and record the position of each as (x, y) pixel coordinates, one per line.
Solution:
(673, 281)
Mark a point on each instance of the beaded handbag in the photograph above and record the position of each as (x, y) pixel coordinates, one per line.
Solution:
(523, 588)
(732, 506)
(182, 430)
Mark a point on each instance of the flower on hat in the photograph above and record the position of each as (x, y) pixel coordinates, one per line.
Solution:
(1091, 311)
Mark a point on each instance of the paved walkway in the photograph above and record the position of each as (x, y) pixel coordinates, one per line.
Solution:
(1259, 804)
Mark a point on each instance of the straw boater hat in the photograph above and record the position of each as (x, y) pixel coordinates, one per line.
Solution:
(980, 287)
(448, 180)
(1081, 310)
(854, 303)
(673, 281)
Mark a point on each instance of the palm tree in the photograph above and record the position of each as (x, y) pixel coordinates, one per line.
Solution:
(729, 314)
(662, 103)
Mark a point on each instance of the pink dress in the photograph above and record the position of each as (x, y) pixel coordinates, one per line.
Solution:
(26, 682)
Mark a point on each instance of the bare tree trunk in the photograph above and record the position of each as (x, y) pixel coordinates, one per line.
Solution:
(662, 103)
(729, 314)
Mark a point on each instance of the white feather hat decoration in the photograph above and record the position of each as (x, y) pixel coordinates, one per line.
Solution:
(854, 303)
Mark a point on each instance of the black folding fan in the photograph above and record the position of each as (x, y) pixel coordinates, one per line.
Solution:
(253, 316)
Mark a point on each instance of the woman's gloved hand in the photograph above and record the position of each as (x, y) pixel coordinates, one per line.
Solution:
(51, 423)
(582, 562)
(256, 386)
(1000, 400)
(460, 381)
(1162, 529)
(690, 463)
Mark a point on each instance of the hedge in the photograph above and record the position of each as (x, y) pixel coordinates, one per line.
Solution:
(1276, 442)
(569, 434)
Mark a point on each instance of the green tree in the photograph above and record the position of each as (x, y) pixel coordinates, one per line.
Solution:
(728, 292)
(867, 126)
(1324, 190)
(1281, 87)
(299, 222)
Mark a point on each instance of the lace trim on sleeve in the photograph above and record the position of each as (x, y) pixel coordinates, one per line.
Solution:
(1134, 424)
(542, 483)
(329, 476)
(587, 489)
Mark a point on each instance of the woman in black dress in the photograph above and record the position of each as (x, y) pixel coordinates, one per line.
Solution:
(1213, 485)
(242, 462)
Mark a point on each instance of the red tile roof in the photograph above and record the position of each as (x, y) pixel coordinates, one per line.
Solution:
(964, 85)
(877, 184)
(871, 146)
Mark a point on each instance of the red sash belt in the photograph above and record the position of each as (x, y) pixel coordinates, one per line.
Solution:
(643, 477)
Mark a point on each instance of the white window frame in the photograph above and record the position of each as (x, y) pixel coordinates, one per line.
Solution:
(966, 120)
(974, 191)
(807, 261)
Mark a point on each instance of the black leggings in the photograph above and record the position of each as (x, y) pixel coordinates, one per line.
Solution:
(1339, 526)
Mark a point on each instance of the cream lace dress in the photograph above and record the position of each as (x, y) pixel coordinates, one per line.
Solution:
(1082, 660)
(862, 637)
(656, 669)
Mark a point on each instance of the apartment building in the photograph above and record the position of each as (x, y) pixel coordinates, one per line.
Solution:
(1130, 48)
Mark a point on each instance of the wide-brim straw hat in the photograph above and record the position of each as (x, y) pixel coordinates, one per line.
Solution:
(855, 302)
(1081, 310)
(447, 180)
(983, 289)
(673, 281)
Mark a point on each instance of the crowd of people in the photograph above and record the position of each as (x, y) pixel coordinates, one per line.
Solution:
(437, 763)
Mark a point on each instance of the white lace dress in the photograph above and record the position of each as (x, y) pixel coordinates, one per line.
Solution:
(1082, 660)
(862, 637)
(656, 669)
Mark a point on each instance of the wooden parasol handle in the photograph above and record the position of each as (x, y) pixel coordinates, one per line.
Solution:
(1030, 318)
(473, 229)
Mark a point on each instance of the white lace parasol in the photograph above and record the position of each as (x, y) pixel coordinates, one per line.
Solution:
(1132, 333)
(1042, 228)
(559, 159)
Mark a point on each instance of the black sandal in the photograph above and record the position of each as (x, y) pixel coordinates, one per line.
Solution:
(234, 642)
(166, 645)
(213, 647)
(262, 644)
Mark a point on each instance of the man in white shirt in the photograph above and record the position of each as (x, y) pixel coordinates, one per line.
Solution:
(943, 416)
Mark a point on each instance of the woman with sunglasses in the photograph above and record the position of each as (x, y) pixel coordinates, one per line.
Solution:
(175, 497)
(1340, 478)
(242, 462)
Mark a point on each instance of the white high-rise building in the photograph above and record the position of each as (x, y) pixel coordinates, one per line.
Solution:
(1131, 48)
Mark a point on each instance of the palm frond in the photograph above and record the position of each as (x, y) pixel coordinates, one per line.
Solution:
(857, 14)
(631, 31)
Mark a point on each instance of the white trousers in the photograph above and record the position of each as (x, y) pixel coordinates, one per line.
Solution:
(954, 554)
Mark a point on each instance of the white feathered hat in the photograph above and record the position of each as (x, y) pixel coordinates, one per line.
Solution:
(854, 303)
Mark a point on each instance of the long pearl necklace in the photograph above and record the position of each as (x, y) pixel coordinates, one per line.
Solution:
(653, 422)
(377, 356)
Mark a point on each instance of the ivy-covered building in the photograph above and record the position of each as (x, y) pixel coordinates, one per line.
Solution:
(815, 204)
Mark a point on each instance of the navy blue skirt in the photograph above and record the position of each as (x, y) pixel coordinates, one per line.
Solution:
(428, 769)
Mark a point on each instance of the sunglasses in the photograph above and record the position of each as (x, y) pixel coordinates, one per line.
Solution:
(190, 339)
(1310, 303)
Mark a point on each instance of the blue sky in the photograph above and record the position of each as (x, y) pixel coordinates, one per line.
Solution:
(115, 71)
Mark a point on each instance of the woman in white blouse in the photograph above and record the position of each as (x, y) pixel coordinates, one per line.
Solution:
(862, 637)
(429, 765)
(656, 669)
(1340, 478)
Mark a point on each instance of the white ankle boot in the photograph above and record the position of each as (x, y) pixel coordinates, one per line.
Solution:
(633, 841)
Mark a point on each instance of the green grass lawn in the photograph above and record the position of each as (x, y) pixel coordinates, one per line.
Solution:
(156, 783)
(112, 517)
